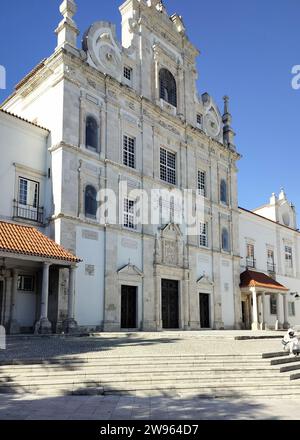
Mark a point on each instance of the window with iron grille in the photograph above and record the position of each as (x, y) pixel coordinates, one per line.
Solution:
(202, 183)
(289, 256)
(167, 166)
(168, 89)
(203, 239)
(291, 308)
(127, 73)
(129, 218)
(129, 151)
(199, 119)
(273, 305)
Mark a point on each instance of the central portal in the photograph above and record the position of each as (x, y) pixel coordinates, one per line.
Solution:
(170, 304)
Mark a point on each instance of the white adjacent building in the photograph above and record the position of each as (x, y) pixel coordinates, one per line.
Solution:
(130, 112)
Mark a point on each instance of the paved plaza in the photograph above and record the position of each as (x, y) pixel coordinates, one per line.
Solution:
(178, 407)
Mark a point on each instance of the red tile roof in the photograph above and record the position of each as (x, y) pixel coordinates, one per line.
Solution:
(27, 240)
(250, 278)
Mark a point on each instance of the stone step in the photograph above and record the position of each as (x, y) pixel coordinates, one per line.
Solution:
(290, 367)
(132, 359)
(238, 372)
(110, 363)
(285, 360)
(127, 385)
(143, 378)
(274, 354)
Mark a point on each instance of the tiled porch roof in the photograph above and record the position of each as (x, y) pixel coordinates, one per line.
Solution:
(27, 240)
(250, 278)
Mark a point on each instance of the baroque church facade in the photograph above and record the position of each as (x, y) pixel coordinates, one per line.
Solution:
(131, 112)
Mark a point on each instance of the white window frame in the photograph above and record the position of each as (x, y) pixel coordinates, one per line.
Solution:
(127, 71)
(129, 214)
(35, 204)
(199, 116)
(21, 283)
(167, 172)
(129, 151)
(288, 256)
(201, 183)
(203, 234)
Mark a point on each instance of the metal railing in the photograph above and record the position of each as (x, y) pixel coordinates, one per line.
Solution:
(271, 267)
(28, 212)
(250, 262)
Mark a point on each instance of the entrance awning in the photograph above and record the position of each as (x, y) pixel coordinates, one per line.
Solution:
(251, 278)
(19, 240)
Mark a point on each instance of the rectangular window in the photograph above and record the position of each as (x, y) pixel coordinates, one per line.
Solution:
(273, 305)
(270, 260)
(250, 260)
(28, 192)
(127, 73)
(129, 217)
(289, 256)
(199, 120)
(26, 283)
(129, 151)
(291, 309)
(168, 166)
(203, 238)
(202, 183)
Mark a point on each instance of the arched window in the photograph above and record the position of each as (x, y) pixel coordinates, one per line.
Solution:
(90, 198)
(225, 239)
(168, 90)
(223, 191)
(91, 133)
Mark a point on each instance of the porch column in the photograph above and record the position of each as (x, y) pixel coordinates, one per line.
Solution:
(43, 326)
(70, 325)
(279, 320)
(254, 325)
(264, 310)
(285, 311)
(14, 326)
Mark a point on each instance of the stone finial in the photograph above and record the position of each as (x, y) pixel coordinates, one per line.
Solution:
(67, 31)
(282, 195)
(273, 199)
(228, 133)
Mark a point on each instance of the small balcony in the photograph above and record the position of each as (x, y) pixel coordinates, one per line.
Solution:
(250, 263)
(271, 267)
(28, 212)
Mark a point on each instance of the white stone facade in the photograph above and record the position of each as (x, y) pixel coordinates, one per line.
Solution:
(118, 88)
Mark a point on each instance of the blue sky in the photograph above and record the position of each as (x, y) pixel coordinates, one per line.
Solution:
(247, 51)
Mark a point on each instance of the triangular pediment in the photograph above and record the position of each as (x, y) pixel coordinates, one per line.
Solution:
(130, 269)
(205, 281)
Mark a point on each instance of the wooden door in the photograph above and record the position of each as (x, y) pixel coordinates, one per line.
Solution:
(170, 304)
(204, 310)
(128, 307)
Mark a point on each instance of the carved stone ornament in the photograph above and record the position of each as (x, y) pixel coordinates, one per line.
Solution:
(103, 49)
(212, 121)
